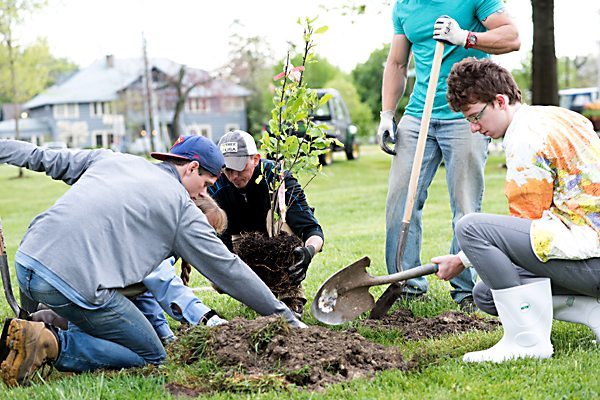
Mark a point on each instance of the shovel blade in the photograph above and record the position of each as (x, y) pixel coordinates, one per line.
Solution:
(344, 295)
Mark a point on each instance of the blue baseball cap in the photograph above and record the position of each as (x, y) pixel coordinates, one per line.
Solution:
(195, 148)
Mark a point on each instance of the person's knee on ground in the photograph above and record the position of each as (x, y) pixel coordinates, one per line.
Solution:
(25, 347)
(482, 295)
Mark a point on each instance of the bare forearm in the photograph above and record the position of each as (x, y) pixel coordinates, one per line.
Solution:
(316, 242)
(500, 40)
(394, 83)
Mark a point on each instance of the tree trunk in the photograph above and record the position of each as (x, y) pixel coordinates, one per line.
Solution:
(13, 82)
(544, 77)
(176, 123)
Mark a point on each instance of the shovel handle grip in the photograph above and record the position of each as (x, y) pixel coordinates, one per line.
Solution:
(416, 272)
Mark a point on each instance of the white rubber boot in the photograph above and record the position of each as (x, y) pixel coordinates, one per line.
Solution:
(526, 315)
(579, 309)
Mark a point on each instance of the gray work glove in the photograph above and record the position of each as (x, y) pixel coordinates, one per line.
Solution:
(386, 133)
(303, 257)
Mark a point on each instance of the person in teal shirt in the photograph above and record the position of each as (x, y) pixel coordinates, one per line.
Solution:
(470, 28)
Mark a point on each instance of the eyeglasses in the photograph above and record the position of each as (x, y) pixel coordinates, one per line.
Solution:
(474, 119)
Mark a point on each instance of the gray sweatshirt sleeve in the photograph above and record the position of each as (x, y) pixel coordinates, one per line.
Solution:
(197, 243)
(64, 165)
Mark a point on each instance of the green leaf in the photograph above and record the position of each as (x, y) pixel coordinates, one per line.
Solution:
(325, 98)
(322, 29)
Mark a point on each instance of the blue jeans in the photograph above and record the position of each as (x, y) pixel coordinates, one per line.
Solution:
(153, 312)
(116, 335)
(464, 155)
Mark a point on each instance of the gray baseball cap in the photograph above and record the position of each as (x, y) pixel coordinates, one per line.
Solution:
(236, 146)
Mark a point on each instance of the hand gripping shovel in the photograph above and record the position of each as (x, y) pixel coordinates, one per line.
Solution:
(388, 298)
(345, 295)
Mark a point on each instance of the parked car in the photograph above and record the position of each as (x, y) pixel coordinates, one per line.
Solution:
(576, 98)
(335, 114)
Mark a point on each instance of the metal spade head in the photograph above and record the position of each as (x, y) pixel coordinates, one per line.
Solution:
(345, 295)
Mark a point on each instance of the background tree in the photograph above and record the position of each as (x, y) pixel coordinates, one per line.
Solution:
(320, 72)
(35, 70)
(248, 67)
(12, 13)
(368, 78)
(182, 83)
(544, 77)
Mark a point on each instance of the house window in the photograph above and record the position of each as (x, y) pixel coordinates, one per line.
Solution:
(233, 104)
(100, 108)
(200, 130)
(103, 139)
(197, 105)
(64, 111)
(231, 127)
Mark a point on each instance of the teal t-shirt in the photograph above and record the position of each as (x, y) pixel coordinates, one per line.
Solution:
(415, 19)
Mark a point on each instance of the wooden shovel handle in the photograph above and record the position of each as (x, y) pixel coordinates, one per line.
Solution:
(416, 272)
(429, 98)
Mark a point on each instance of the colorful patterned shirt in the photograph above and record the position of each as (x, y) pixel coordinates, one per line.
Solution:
(553, 178)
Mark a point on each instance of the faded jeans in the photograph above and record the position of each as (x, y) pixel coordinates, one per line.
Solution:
(116, 335)
(464, 155)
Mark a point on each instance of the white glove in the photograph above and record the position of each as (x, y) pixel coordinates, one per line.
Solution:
(386, 124)
(215, 320)
(448, 30)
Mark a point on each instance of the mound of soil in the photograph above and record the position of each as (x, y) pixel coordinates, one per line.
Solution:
(418, 328)
(268, 257)
(312, 358)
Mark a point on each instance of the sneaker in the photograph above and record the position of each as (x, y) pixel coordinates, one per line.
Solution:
(27, 346)
(468, 305)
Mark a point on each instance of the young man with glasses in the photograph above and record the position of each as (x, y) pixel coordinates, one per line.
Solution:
(245, 198)
(469, 28)
(543, 259)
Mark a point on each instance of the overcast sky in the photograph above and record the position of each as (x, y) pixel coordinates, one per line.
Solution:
(196, 32)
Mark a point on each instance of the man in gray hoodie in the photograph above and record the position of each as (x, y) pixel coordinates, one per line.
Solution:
(120, 219)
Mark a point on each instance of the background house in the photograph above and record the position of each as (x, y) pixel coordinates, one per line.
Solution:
(106, 105)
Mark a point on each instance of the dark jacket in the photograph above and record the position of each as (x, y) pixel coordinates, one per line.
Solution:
(247, 209)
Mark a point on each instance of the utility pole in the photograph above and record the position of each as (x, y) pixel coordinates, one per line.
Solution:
(150, 109)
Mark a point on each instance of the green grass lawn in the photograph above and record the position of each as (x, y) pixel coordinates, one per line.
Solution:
(350, 205)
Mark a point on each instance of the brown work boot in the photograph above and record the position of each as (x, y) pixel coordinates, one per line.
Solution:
(26, 347)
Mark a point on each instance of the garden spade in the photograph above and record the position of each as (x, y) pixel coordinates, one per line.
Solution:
(345, 295)
(392, 293)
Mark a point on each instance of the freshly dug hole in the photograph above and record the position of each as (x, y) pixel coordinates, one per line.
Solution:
(419, 328)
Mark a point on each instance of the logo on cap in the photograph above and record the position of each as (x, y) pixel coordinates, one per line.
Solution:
(229, 147)
(180, 140)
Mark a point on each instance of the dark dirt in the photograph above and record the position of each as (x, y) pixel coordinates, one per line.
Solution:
(419, 328)
(311, 358)
(268, 257)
